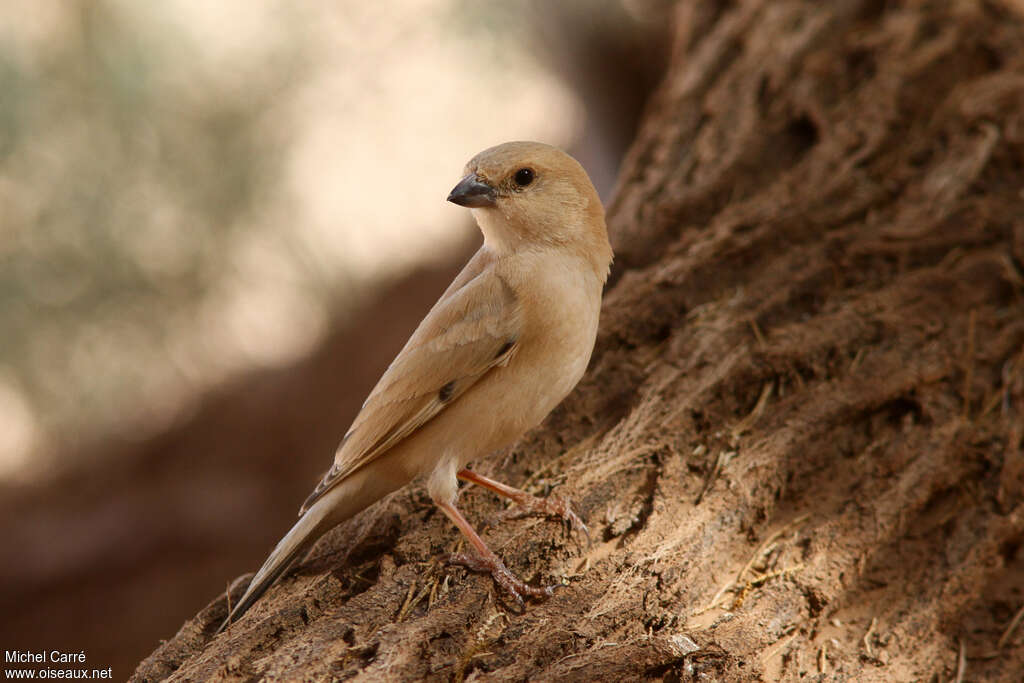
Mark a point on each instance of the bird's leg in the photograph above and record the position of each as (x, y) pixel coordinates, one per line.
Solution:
(486, 561)
(553, 506)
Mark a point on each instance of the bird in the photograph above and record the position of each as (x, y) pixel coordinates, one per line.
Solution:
(506, 342)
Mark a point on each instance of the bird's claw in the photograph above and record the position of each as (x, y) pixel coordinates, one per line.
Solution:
(502, 576)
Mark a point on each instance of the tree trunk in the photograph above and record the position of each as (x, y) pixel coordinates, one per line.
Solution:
(799, 443)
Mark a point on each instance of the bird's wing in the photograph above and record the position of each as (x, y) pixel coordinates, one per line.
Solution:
(467, 333)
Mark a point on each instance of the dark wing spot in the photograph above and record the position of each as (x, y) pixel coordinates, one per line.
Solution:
(446, 392)
(505, 348)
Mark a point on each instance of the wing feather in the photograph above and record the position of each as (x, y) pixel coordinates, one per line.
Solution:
(468, 332)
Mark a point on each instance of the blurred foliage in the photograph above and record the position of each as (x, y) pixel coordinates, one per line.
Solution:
(125, 168)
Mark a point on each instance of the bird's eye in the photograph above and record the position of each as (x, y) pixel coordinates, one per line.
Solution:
(523, 177)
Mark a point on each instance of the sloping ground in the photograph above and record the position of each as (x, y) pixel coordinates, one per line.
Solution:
(799, 446)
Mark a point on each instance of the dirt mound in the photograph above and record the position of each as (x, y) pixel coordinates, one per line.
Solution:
(799, 445)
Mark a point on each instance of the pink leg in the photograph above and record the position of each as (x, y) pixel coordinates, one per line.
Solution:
(554, 506)
(486, 561)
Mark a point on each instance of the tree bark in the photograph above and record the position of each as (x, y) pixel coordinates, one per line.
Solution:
(799, 444)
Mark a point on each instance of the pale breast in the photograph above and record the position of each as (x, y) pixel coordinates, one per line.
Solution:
(561, 320)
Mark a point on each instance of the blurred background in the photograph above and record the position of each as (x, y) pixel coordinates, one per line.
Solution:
(218, 223)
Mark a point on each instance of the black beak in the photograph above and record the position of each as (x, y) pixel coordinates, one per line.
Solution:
(473, 192)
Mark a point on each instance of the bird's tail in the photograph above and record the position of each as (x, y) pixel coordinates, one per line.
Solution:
(301, 536)
(334, 507)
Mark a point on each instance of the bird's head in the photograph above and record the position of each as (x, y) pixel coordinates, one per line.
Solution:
(529, 193)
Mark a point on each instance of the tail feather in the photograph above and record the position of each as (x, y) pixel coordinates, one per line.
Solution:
(355, 492)
(301, 536)
(310, 526)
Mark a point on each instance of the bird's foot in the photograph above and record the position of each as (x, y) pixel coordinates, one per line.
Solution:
(502, 576)
(527, 505)
(557, 507)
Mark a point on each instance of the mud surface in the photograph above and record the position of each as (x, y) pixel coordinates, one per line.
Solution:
(799, 444)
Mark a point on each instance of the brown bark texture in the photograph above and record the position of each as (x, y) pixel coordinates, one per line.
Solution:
(799, 443)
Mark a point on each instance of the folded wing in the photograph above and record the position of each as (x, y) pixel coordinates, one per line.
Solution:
(469, 332)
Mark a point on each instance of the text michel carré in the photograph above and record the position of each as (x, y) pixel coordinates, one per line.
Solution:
(42, 657)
